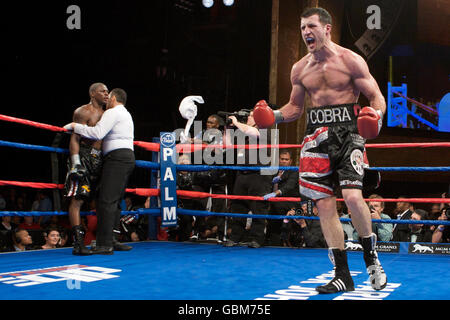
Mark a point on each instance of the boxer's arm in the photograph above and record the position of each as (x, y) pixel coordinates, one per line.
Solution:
(77, 170)
(79, 117)
(366, 83)
(294, 108)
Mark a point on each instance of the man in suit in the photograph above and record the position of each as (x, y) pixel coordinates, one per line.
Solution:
(284, 184)
(404, 211)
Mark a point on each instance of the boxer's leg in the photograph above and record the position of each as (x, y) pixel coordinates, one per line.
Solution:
(334, 235)
(360, 211)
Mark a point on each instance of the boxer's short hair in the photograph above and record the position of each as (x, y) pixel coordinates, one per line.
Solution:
(324, 16)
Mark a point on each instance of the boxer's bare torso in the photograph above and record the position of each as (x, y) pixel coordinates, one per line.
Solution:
(89, 114)
(328, 81)
(329, 74)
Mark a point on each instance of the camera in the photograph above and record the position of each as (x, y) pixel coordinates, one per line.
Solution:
(241, 116)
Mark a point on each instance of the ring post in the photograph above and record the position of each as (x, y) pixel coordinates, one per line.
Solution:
(168, 174)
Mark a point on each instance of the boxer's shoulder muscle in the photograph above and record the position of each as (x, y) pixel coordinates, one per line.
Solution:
(87, 114)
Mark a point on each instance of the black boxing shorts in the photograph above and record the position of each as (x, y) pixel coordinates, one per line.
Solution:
(85, 187)
(333, 153)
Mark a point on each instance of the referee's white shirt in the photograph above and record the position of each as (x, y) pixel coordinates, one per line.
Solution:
(115, 128)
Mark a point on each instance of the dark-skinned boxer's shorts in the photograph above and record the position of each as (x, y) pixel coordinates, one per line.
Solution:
(85, 188)
(333, 153)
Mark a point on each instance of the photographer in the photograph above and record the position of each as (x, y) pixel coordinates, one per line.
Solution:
(442, 232)
(301, 232)
(248, 182)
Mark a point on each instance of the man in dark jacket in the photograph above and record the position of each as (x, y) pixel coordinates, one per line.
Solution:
(284, 184)
(404, 211)
(416, 232)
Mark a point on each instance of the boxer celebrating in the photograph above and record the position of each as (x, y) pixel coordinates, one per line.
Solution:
(334, 144)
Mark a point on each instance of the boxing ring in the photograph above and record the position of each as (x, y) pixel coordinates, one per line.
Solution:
(163, 270)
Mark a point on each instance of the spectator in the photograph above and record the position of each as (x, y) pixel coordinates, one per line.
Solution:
(213, 133)
(20, 204)
(403, 211)
(45, 205)
(442, 232)
(11, 200)
(435, 211)
(29, 224)
(382, 230)
(214, 181)
(21, 240)
(6, 224)
(284, 184)
(419, 232)
(52, 238)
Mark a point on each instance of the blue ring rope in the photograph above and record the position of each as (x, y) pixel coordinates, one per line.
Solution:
(157, 212)
(154, 165)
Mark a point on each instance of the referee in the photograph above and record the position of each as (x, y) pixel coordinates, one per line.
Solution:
(116, 129)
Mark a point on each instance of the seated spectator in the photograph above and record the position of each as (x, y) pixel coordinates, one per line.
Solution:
(52, 238)
(21, 240)
(382, 230)
(419, 232)
(6, 224)
(29, 224)
(442, 232)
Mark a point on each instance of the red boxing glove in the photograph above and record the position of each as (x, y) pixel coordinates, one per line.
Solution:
(264, 116)
(369, 122)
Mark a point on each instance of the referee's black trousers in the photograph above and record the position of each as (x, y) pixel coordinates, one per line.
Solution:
(117, 168)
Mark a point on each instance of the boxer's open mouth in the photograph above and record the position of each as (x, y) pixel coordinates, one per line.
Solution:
(310, 40)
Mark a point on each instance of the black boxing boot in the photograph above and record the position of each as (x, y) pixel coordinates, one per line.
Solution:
(79, 249)
(342, 280)
(377, 276)
(117, 245)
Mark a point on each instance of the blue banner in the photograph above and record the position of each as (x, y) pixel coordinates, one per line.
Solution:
(168, 174)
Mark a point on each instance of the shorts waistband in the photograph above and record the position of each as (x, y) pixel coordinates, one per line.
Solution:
(332, 115)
